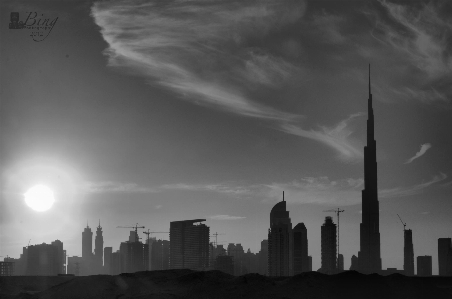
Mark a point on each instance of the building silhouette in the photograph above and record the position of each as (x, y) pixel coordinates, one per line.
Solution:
(328, 247)
(189, 245)
(87, 250)
(263, 258)
(133, 255)
(61, 256)
(424, 265)
(354, 265)
(340, 262)
(160, 255)
(300, 249)
(44, 260)
(408, 253)
(445, 256)
(107, 259)
(74, 265)
(7, 268)
(98, 250)
(310, 263)
(369, 256)
(280, 241)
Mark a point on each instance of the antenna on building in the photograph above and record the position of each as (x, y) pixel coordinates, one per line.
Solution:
(283, 196)
(369, 81)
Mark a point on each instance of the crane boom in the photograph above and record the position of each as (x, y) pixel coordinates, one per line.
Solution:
(404, 224)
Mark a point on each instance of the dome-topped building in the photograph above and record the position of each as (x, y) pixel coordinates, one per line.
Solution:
(280, 241)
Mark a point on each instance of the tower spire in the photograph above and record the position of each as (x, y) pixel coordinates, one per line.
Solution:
(369, 81)
(99, 224)
(283, 196)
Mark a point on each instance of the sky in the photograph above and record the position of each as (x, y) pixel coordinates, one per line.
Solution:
(156, 111)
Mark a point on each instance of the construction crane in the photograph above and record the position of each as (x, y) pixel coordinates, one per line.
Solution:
(161, 254)
(337, 211)
(404, 224)
(216, 234)
(136, 227)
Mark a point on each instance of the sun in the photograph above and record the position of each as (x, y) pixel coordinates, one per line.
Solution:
(40, 198)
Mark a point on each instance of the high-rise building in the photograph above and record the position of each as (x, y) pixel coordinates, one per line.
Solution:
(134, 256)
(74, 265)
(160, 255)
(237, 252)
(189, 245)
(300, 249)
(43, 259)
(340, 262)
(87, 243)
(280, 241)
(310, 263)
(424, 265)
(99, 249)
(445, 256)
(263, 258)
(408, 253)
(107, 259)
(369, 256)
(328, 247)
(354, 263)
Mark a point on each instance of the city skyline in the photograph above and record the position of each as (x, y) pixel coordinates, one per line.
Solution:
(151, 113)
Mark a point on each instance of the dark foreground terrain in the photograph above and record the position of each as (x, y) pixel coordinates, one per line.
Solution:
(215, 284)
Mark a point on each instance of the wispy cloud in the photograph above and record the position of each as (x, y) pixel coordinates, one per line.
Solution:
(420, 37)
(225, 217)
(422, 151)
(219, 188)
(197, 49)
(411, 190)
(158, 207)
(116, 187)
(327, 27)
(336, 137)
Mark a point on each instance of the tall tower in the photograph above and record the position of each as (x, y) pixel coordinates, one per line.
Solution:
(300, 249)
(87, 243)
(99, 247)
(369, 256)
(280, 241)
(408, 253)
(329, 254)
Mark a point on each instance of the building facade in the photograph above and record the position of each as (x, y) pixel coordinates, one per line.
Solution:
(445, 256)
(280, 241)
(189, 245)
(328, 247)
(300, 249)
(98, 250)
(408, 253)
(424, 265)
(369, 256)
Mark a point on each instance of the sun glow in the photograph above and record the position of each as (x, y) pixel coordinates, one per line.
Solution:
(40, 198)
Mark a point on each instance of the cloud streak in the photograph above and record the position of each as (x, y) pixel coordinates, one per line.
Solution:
(411, 190)
(336, 137)
(421, 152)
(116, 187)
(225, 217)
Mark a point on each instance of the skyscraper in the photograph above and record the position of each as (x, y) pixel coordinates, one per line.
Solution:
(408, 253)
(189, 245)
(328, 244)
(280, 241)
(99, 249)
(263, 258)
(107, 259)
(445, 256)
(300, 249)
(424, 265)
(87, 243)
(369, 256)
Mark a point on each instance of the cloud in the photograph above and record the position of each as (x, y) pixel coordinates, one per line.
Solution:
(327, 27)
(199, 49)
(314, 190)
(419, 36)
(219, 188)
(158, 207)
(412, 190)
(116, 187)
(225, 217)
(336, 137)
(422, 151)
